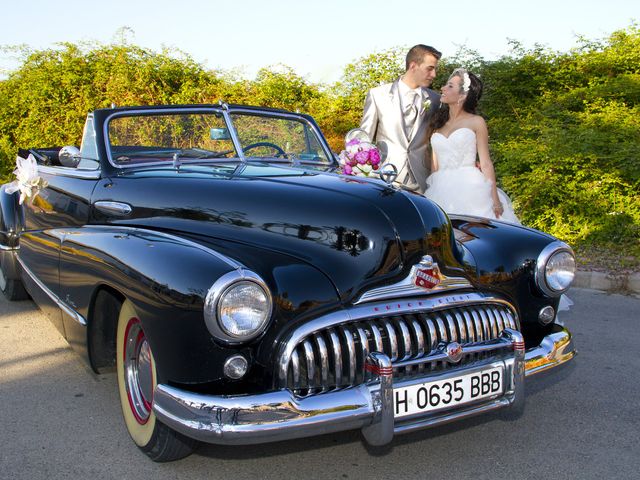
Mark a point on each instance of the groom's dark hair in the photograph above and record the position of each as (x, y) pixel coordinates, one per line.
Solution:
(417, 53)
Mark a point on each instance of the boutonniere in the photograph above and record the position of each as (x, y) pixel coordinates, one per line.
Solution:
(426, 105)
(28, 182)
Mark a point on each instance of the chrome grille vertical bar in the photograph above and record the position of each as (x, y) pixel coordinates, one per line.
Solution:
(453, 327)
(311, 364)
(433, 334)
(364, 349)
(406, 339)
(295, 370)
(442, 330)
(393, 341)
(509, 320)
(469, 322)
(337, 356)
(419, 336)
(377, 338)
(498, 319)
(492, 323)
(464, 336)
(417, 330)
(351, 354)
(407, 344)
(324, 362)
(480, 331)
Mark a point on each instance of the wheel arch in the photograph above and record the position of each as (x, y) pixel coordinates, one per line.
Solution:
(102, 324)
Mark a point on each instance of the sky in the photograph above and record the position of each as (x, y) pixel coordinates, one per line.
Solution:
(316, 39)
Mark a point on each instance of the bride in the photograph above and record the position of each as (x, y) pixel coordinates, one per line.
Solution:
(458, 135)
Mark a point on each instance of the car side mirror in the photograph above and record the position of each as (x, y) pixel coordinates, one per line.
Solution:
(69, 156)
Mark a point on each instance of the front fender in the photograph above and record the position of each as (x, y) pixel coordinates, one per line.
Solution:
(502, 256)
(164, 276)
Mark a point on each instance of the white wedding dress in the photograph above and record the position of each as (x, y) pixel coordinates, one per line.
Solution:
(458, 186)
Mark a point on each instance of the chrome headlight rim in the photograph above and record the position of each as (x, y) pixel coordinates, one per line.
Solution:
(542, 261)
(212, 303)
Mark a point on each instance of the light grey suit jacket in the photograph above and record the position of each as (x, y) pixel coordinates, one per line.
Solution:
(383, 120)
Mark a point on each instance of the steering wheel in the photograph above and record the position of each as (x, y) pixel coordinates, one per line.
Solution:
(280, 151)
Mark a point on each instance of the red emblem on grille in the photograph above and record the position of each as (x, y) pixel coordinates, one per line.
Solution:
(426, 273)
(427, 277)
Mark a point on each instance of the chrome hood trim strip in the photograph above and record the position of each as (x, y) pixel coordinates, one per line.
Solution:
(63, 306)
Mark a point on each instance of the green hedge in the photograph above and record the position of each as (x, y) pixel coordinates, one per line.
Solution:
(564, 126)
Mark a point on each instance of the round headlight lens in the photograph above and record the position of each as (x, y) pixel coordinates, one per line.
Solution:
(243, 309)
(560, 271)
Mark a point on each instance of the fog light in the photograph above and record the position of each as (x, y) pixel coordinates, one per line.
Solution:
(235, 367)
(546, 315)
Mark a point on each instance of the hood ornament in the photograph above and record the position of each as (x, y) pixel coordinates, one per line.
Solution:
(388, 173)
(426, 274)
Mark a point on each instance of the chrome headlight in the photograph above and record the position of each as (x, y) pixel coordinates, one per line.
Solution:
(555, 269)
(237, 307)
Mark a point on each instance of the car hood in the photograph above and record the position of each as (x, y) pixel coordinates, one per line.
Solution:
(356, 231)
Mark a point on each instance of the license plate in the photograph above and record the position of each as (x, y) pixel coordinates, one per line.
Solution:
(452, 392)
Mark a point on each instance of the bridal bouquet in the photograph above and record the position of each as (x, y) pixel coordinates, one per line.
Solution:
(27, 181)
(360, 156)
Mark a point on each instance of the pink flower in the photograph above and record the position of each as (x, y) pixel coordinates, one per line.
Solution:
(374, 156)
(361, 157)
(353, 141)
(348, 170)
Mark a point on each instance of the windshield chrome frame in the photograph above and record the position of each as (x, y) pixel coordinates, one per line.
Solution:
(226, 112)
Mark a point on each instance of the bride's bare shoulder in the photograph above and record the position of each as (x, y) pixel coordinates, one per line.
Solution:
(478, 124)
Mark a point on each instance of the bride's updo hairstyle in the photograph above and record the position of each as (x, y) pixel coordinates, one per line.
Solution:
(473, 91)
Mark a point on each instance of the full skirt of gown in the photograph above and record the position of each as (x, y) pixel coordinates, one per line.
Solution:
(458, 186)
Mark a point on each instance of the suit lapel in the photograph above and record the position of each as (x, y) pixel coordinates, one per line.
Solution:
(394, 97)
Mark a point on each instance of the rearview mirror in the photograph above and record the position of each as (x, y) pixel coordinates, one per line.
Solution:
(219, 134)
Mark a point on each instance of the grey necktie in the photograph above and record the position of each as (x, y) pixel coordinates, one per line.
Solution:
(410, 111)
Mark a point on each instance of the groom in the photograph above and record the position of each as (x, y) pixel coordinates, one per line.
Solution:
(396, 114)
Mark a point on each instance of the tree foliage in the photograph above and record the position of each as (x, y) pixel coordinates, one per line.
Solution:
(564, 125)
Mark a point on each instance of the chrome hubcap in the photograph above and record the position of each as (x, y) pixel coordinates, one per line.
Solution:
(138, 371)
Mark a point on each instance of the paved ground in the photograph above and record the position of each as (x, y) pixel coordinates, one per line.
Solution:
(58, 420)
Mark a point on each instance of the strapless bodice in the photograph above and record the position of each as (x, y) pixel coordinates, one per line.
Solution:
(455, 151)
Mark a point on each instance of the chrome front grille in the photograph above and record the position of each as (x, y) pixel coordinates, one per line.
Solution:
(332, 357)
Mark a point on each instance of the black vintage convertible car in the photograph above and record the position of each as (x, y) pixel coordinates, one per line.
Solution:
(245, 291)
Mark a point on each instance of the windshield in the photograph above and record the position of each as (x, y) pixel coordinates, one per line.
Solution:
(166, 136)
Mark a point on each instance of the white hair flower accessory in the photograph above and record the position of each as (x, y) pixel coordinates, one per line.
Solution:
(466, 80)
(27, 181)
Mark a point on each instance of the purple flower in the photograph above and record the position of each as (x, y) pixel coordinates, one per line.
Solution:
(374, 156)
(348, 170)
(361, 157)
(353, 141)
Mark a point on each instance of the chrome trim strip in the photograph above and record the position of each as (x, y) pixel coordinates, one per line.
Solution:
(406, 288)
(6, 248)
(118, 209)
(63, 306)
(70, 172)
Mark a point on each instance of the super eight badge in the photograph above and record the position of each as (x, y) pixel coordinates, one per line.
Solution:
(427, 273)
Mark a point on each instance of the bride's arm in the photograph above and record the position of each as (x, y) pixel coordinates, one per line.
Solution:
(434, 160)
(486, 165)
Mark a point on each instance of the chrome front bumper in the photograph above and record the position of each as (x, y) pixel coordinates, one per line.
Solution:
(280, 415)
